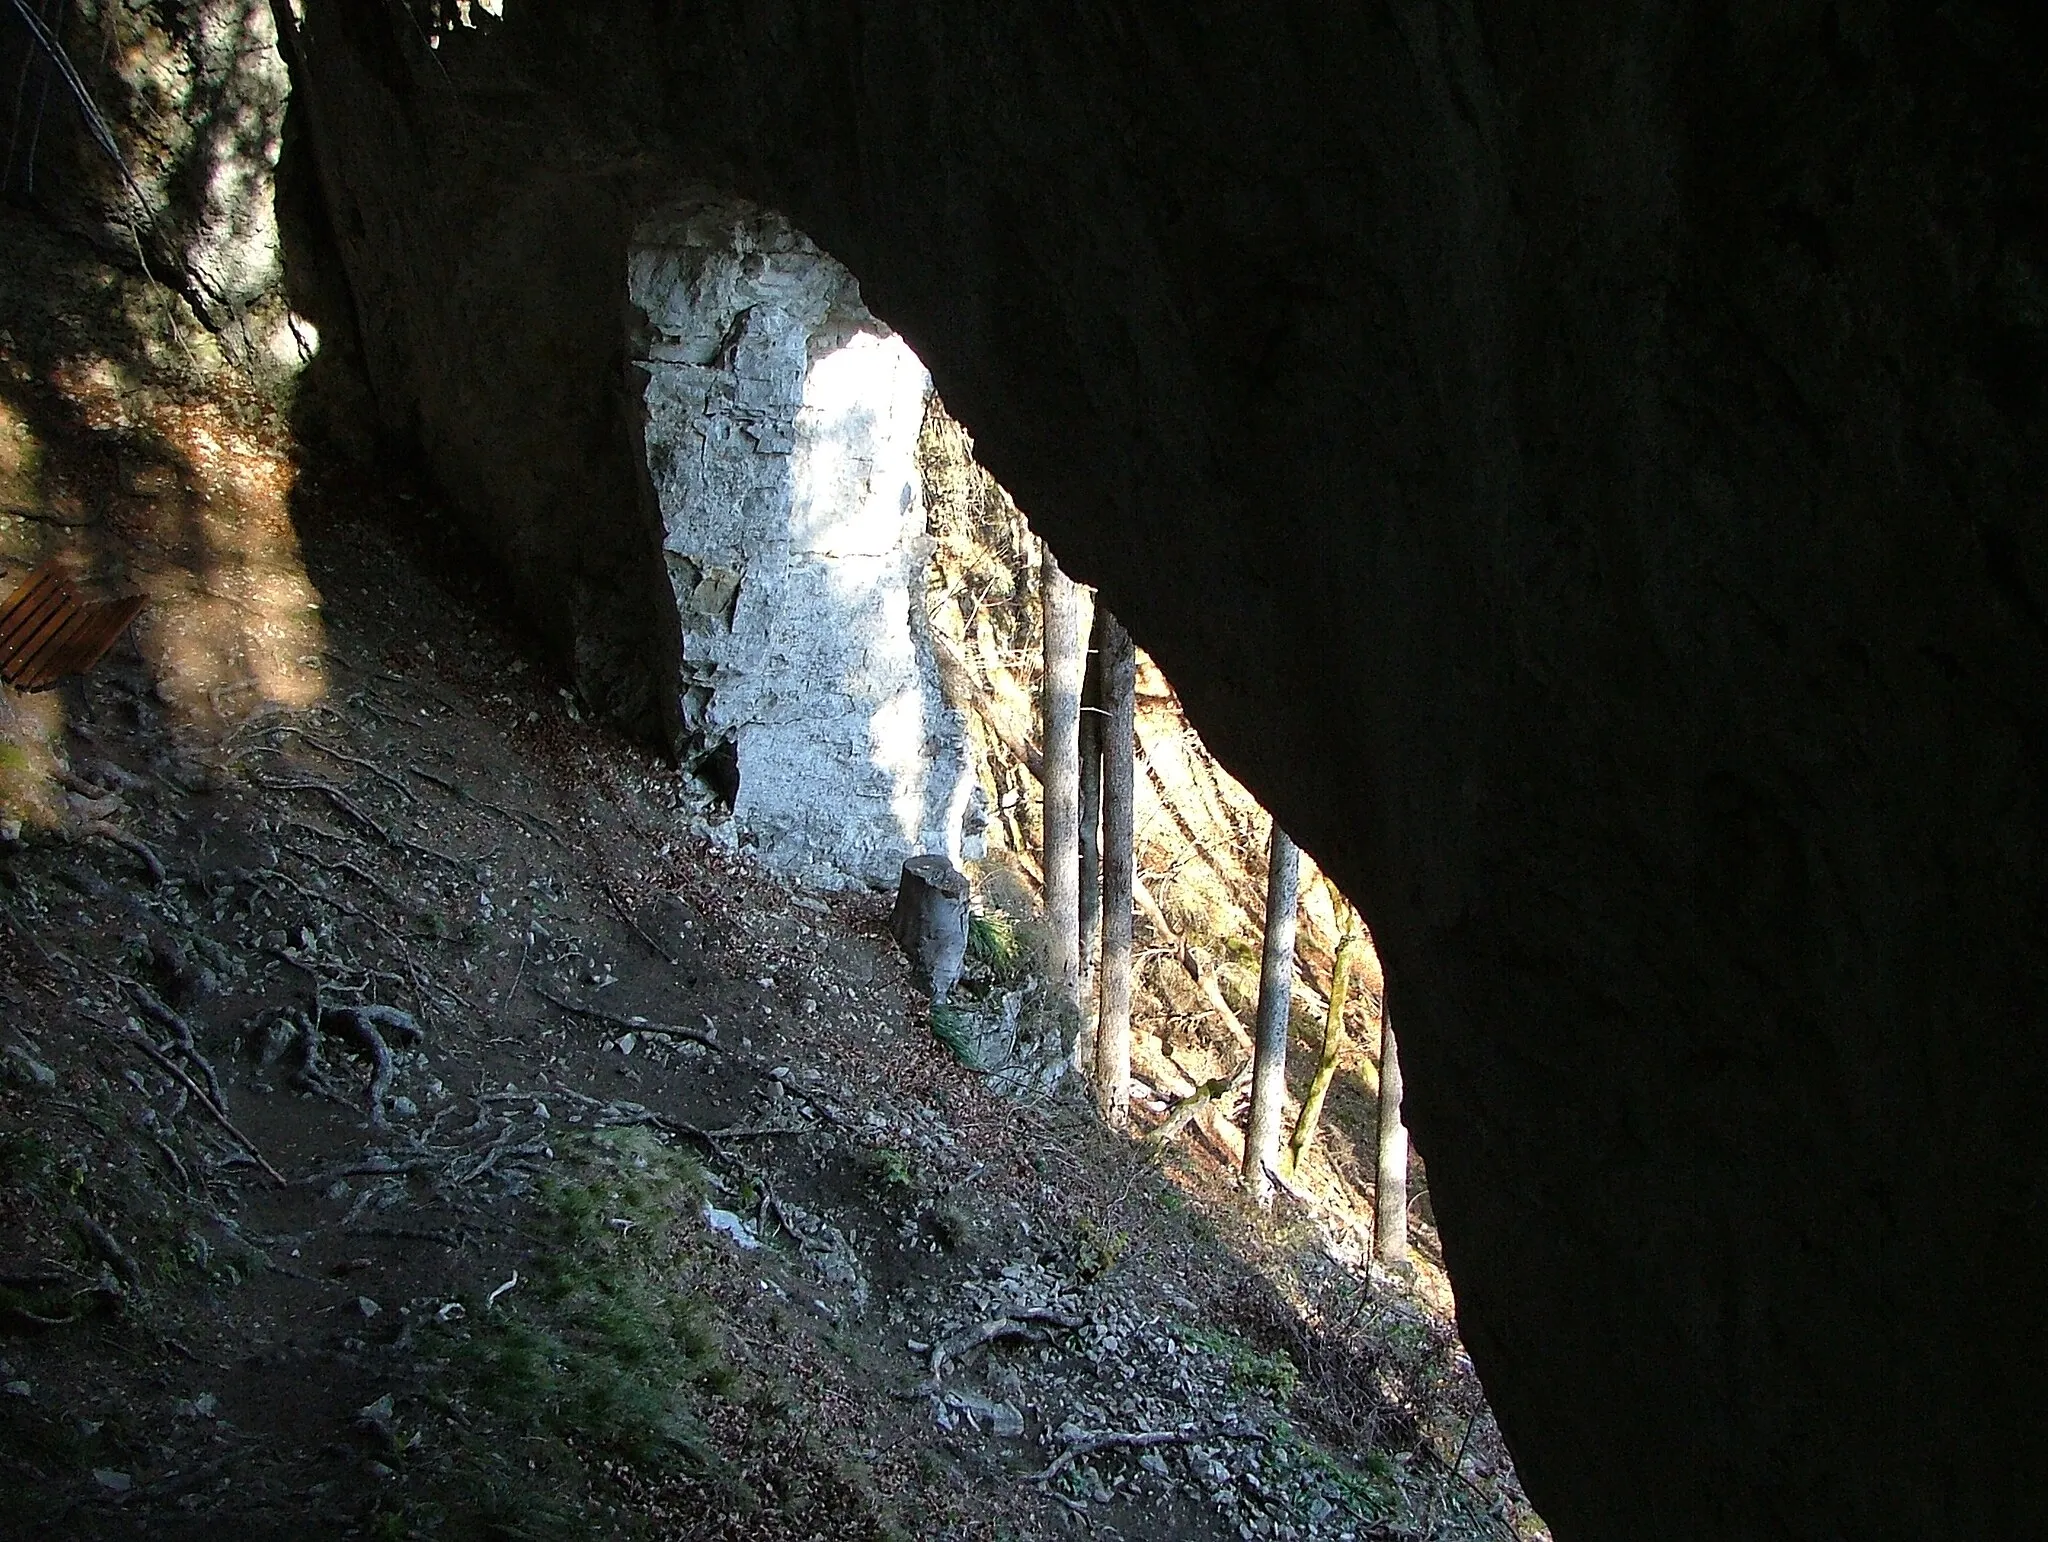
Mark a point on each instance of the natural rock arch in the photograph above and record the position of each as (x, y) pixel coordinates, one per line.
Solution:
(1655, 392)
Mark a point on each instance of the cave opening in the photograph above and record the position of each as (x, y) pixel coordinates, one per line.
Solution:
(1534, 439)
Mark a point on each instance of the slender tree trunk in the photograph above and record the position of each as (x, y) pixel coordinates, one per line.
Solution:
(1065, 630)
(1091, 809)
(1119, 870)
(1333, 1033)
(1390, 1192)
(1276, 997)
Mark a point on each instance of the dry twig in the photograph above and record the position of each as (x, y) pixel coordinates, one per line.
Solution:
(631, 1024)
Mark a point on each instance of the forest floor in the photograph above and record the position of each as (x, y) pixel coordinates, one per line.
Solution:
(415, 1122)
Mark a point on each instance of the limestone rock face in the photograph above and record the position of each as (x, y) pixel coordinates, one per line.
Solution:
(1581, 465)
(781, 433)
(195, 95)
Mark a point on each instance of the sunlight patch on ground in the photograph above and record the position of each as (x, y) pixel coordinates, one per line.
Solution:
(178, 502)
(235, 623)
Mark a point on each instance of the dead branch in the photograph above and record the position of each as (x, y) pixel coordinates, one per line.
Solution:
(966, 691)
(631, 1024)
(1112, 1440)
(1183, 1112)
(1024, 1324)
(1193, 963)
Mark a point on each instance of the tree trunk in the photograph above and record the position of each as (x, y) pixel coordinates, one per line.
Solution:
(930, 921)
(1276, 997)
(1119, 870)
(1390, 1192)
(1333, 1034)
(1091, 809)
(1065, 631)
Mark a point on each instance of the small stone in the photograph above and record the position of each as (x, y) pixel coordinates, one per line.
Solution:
(200, 1407)
(28, 1070)
(367, 1307)
(404, 1108)
(17, 1389)
(113, 1482)
(727, 1224)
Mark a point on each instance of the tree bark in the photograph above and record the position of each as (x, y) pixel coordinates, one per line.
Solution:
(1390, 1191)
(1276, 997)
(1119, 871)
(1065, 633)
(1333, 1034)
(930, 921)
(1091, 808)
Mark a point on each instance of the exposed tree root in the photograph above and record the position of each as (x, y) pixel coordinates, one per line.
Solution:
(135, 846)
(356, 812)
(108, 1246)
(632, 1024)
(170, 1068)
(158, 1011)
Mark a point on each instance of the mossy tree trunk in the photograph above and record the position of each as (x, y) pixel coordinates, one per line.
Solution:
(1269, 1033)
(1352, 939)
(1119, 869)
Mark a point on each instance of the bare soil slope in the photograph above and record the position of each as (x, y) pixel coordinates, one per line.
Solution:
(412, 1123)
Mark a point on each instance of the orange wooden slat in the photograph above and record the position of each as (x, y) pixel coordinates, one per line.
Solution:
(84, 641)
(49, 631)
(29, 606)
(47, 619)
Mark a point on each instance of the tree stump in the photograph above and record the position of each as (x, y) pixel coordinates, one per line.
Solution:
(930, 921)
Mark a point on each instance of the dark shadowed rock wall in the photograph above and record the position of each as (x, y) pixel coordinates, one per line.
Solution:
(1583, 466)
